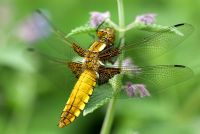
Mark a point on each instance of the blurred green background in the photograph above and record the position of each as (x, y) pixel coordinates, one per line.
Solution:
(34, 91)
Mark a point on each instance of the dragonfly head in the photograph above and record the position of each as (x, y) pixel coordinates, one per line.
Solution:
(107, 35)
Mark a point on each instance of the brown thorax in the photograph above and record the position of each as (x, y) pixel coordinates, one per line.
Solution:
(91, 61)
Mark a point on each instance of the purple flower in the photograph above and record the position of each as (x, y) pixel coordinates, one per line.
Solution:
(147, 19)
(132, 90)
(33, 28)
(97, 18)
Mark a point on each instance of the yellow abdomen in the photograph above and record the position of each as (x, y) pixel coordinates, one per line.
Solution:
(79, 97)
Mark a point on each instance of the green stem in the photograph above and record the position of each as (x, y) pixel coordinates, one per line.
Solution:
(131, 26)
(121, 17)
(107, 124)
(112, 24)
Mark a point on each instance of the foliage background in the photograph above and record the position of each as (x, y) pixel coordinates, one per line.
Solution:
(33, 92)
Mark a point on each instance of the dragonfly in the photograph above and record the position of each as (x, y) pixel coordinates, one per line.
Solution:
(93, 71)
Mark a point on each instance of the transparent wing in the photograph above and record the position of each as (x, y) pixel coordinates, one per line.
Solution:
(60, 34)
(155, 78)
(54, 54)
(158, 43)
(55, 45)
(50, 47)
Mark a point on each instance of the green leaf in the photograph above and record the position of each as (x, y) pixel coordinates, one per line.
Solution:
(82, 29)
(101, 95)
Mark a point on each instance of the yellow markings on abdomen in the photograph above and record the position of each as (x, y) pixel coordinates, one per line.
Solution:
(78, 98)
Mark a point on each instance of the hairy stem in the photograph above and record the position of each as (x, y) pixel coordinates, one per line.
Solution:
(107, 124)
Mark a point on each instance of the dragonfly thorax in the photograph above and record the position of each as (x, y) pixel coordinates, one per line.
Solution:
(91, 61)
(97, 46)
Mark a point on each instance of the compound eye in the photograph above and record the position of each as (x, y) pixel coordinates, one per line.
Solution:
(100, 33)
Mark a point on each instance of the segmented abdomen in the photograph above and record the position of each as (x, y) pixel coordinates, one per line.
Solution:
(78, 98)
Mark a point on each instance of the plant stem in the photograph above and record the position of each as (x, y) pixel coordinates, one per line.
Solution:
(121, 19)
(131, 26)
(107, 124)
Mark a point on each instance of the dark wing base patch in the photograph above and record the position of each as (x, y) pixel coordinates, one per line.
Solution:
(106, 73)
(76, 68)
(108, 54)
(78, 50)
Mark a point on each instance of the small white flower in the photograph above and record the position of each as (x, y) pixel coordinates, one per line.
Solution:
(147, 19)
(97, 18)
